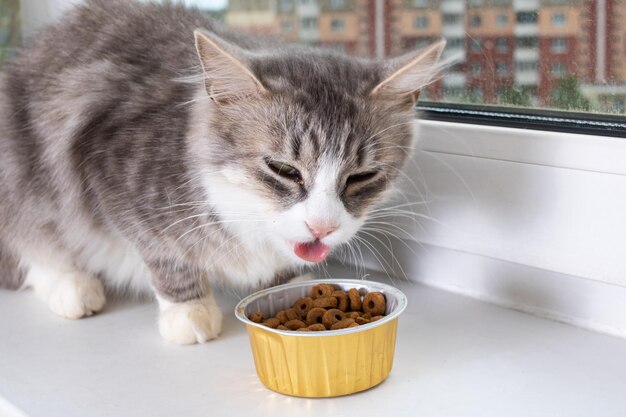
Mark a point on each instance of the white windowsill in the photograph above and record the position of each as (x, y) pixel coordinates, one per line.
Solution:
(526, 219)
(454, 357)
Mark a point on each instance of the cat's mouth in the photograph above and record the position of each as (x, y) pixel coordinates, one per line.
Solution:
(311, 251)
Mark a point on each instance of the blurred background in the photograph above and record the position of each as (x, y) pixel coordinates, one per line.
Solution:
(568, 55)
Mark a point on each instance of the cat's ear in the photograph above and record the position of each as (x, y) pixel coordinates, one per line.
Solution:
(405, 76)
(227, 77)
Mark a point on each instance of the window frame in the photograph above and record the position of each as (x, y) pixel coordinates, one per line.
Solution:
(597, 124)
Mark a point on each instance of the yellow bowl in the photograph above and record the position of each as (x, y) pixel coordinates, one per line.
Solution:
(327, 363)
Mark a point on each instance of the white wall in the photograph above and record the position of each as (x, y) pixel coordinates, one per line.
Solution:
(528, 219)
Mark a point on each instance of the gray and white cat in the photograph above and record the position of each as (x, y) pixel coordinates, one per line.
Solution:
(135, 156)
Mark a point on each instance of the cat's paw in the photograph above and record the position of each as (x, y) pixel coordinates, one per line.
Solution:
(195, 321)
(76, 296)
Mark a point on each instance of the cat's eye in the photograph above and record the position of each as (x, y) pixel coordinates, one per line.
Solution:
(285, 171)
(361, 177)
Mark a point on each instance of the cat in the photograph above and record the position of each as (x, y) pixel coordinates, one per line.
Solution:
(146, 147)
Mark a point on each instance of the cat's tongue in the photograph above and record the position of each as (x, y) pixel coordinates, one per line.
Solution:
(312, 251)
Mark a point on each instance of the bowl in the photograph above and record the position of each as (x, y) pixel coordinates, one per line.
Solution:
(323, 363)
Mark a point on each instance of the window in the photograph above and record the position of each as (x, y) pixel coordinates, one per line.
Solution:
(558, 19)
(502, 69)
(476, 94)
(475, 20)
(454, 43)
(475, 45)
(525, 18)
(523, 66)
(285, 6)
(506, 54)
(421, 22)
(527, 42)
(286, 26)
(337, 25)
(451, 19)
(502, 20)
(558, 69)
(558, 45)
(502, 45)
(337, 4)
(308, 23)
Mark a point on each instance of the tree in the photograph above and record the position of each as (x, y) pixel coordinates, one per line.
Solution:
(566, 95)
(515, 96)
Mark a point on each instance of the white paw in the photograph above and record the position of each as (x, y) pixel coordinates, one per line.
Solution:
(76, 296)
(195, 321)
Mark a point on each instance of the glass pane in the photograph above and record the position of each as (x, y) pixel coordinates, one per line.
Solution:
(568, 55)
(558, 54)
(10, 28)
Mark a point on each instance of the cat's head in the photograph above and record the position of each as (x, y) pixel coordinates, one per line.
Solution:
(303, 143)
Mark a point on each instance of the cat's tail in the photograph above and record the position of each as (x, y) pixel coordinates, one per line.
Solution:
(11, 275)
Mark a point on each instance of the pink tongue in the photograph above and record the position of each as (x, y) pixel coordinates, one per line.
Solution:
(312, 251)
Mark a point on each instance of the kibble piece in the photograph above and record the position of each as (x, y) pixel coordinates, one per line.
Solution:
(256, 317)
(303, 329)
(325, 302)
(281, 327)
(374, 303)
(355, 299)
(353, 314)
(314, 316)
(343, 302)
(361, 320)
(375, 318)
(331, 317)
(282, 316)
(303, 305)
(355, 324)
(367, 316)
(285, 315)
(295, 324)
(342, 324)
(316, 327)
(271, 322)
(322, 290)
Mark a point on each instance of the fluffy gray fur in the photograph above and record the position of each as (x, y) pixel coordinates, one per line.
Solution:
(97, 123)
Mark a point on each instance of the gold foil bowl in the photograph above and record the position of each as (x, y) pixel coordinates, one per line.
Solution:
(326, 363)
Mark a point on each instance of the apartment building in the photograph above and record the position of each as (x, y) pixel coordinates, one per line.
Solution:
(498, 45)
(255, 16)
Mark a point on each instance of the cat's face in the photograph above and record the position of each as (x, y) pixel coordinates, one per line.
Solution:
(305, 145)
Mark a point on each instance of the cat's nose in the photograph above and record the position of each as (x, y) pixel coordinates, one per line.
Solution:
(321, 229)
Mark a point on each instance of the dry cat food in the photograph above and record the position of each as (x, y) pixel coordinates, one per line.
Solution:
(328, 308)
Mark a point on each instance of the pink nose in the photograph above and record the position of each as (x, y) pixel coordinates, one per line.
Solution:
(321, 230)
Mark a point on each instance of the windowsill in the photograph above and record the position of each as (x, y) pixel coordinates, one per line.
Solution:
(454, 357)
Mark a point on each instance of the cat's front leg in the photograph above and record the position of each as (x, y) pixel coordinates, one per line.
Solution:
(188, 311)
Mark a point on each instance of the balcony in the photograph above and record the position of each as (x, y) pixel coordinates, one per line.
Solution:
(526, 5)
(526, 54)
(308, 10)
(527, 78)
(452, 6)
(454, 79)
(456, 30)
(526, 29)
